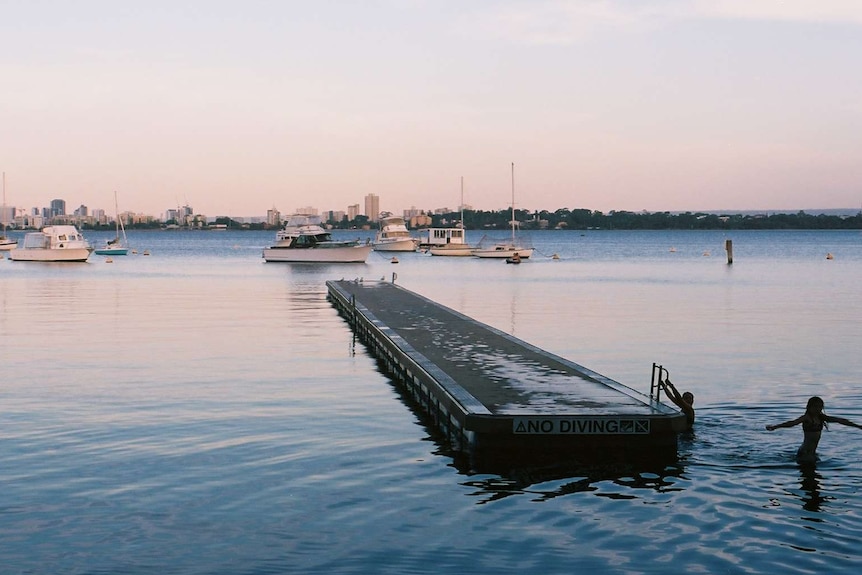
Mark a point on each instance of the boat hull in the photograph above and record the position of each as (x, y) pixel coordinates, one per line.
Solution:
(112, 252)
(503, 252)
(452, 250)
(50, 255)
(6, 246)
(342, 255)
(400, 245)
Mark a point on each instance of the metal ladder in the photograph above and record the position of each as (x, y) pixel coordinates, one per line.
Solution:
(654, 387)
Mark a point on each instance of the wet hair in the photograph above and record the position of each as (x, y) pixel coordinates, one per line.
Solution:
(688, 397)
(814, 410)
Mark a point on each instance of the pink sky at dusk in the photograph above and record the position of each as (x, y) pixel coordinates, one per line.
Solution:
(235, 108)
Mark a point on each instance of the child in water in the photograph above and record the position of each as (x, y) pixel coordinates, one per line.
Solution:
(813, 421)
(684, 401)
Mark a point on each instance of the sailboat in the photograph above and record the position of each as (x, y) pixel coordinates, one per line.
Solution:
(505, 249)
(6, 243)
(450, 241)
(117, 246)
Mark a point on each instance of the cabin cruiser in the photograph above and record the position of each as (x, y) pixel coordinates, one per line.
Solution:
(303, 239)
(394, 236)
(53, 244)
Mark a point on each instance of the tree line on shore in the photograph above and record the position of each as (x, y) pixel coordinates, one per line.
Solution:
(583, 219)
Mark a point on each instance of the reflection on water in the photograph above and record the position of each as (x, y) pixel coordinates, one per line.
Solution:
(811, 496)
(617, 481)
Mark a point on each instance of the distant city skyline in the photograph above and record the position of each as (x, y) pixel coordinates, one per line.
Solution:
(350, 212)
(661, 105)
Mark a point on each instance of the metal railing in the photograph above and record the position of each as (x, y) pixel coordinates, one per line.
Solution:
(655, 384)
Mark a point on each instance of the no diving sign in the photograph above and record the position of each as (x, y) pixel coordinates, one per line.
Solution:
(579, 426)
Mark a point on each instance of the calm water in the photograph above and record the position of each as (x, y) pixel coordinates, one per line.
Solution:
(199, 411)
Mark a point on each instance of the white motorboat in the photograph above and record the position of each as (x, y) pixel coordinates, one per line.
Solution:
(504, 249)
(449, 241)
(119, 246)
(394, 236)
(303, 240)
(53, 244)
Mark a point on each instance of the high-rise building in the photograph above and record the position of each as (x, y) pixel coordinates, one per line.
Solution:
(421, 221)
(182, 216)
(352, 212)
(58, 208)
(372, 207)
(7, 214)
(413, 211)
(273, 217)
(335, 216)
(98, 214)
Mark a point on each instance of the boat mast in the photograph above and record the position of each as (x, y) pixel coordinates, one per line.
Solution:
(119, 223)
(462, 203)
(5, 223)
(513, 203)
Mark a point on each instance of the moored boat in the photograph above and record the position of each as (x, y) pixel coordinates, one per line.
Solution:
(487, 248)
(394, 235)
(303, 240)
(112, 248)
(458, 250)
(6, 243)
(119, 246)
(53, 244)
(450, 241)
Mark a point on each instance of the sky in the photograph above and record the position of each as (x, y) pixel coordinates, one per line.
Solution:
(236, 107)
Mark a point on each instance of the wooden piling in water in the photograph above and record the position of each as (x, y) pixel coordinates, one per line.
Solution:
(728, 247)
